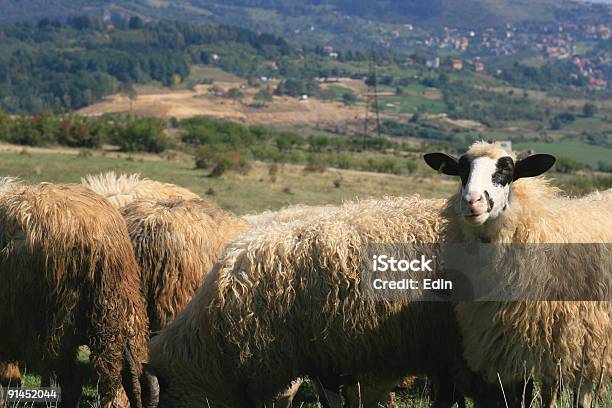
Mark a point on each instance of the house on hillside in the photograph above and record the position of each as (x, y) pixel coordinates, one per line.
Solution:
(457, 64)
(433, 62)
(479, 66)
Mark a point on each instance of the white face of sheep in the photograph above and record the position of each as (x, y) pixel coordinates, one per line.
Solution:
(485, 182)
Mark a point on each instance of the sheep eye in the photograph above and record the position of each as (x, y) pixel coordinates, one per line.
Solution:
(464, 169)
(504, 172)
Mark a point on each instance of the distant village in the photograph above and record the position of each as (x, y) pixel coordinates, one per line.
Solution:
(573, 41)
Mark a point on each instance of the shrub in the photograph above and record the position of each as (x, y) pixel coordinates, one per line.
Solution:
(80, 132)
(349, 98)
(235, 93)
(318, 142)
(263, 95)
(287, 140)
(139, 134)
(220, 159)
(343, 161)
(411, 166)
(589, 110)
(36, 131)
(315, 164)
(205, 131)
(568, 165)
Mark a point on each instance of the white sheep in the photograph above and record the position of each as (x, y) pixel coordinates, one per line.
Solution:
(285, 301)
(501, 202)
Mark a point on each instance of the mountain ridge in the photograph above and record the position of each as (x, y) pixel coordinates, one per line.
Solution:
(456, 13)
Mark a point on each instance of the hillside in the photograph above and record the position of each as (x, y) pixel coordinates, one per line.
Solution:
(312, 19)
(52, 65)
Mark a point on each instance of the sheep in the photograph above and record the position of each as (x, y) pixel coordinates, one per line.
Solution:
(176, 241)
(285, 302)
(69, 277)
(290, 213)
(122, 190)
(9, 370)
(501, 201)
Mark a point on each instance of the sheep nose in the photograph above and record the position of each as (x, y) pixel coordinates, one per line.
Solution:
(473, 199)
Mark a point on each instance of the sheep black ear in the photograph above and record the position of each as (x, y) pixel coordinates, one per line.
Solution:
(442, 163)
(534, 165)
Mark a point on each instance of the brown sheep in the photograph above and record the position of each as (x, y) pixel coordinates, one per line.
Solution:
(176, 241)
(69, 277)
(9, 370)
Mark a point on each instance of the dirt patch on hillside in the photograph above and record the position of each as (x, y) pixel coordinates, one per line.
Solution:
(203, 100)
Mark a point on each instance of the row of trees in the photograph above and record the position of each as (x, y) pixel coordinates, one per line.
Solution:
(129, 133)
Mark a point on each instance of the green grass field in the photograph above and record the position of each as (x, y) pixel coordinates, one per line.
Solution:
(581, 152)
(411, 104)
(252, 192)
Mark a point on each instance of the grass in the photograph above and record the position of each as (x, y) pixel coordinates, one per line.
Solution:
(581, 152)
(242, 193)
(416, 396)
(200, 73)
(411, 104)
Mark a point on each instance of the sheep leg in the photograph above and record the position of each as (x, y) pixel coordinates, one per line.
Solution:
(45, 378)
(70, 380)
(584, 396)
(327, 397)
(549, 394)
(370, 392)
(444, 392)
(9, 374)
(285, 398)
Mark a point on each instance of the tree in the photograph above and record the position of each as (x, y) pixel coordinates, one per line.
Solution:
(135, 23)
(235, 93)
(263, 95)
(349, 98)
(589, 110)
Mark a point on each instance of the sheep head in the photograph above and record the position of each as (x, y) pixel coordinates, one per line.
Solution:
(487, 172)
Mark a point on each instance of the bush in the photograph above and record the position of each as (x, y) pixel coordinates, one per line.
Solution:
(235, 93)
(318, 142)
(220, 159)
(263, 95)
(139, 134)
(589, 110)
(36, 131)
(287, 140)
(80, 132)
(315, 164)
(568, 165)
(604, 167)
(205, 131)
(411, 166)
(349, 98)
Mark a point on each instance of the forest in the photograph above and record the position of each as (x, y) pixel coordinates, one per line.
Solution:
(60, 66)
